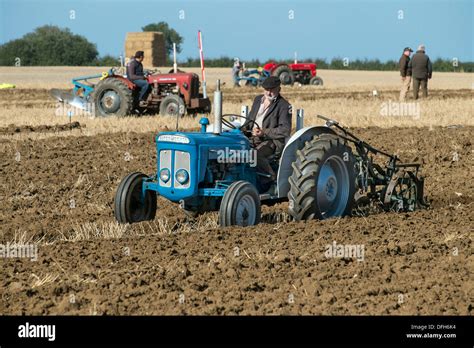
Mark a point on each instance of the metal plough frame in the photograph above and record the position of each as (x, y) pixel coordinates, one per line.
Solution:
(378, 186)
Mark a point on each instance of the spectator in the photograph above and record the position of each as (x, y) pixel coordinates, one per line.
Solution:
(405, 72)
(421, 69)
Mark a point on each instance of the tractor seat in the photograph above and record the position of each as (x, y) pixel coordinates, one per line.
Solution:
(274, 161)
(274, 158)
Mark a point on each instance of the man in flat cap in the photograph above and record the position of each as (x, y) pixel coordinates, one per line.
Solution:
(271, 130)
(405, 72)
(421, 69)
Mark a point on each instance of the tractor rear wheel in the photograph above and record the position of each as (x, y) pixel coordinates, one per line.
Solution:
(285, 74)
(322, 184)
(112, 97)
(129, 205)
(316, 81)
(172, 105)
(240, 205)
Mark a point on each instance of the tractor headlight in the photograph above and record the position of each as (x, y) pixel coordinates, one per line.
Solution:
(165, 175)
(182, 176)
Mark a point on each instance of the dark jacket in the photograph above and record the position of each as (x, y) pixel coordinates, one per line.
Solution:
(135, 70)
(420, 65)
(405, 69)
(276, 123)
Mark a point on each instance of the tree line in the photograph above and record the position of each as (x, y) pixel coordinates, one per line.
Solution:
(439, 64)
(50, 45)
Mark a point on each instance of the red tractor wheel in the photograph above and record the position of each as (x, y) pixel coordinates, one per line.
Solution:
(172, 105)
(316, 81)
(112, 97)
(285, 74)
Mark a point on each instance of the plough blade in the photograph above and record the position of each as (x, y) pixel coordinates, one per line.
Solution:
(69, 98)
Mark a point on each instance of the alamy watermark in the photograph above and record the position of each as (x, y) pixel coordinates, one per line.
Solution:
(345, 251)
(37, 331)
(228, 155)
(69, 110)
(394, 108)
(13, 250)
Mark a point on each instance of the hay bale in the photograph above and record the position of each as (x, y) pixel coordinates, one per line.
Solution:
(151, 43)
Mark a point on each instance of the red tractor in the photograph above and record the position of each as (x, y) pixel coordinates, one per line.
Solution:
(304, 73)
(170, 94)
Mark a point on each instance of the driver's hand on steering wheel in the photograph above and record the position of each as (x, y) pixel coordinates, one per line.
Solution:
(257, 132)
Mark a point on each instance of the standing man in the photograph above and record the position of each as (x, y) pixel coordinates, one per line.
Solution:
(236, 71)
(405, 72)
(421, 69)
(136, 75)
(272, 113)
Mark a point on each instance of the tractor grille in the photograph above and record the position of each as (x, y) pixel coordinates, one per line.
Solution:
(181, 161)
(165, 162)
(195, 86)
(174, 160)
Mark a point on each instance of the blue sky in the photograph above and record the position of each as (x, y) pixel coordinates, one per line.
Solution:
(262, 29)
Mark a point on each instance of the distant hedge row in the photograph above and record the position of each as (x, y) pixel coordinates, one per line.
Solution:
(439, 64)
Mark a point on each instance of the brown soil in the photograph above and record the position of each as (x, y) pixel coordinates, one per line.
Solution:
(13, 129)
(417, 263)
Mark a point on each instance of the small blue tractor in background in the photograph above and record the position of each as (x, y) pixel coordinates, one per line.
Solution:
(323, 172)
(254, 77)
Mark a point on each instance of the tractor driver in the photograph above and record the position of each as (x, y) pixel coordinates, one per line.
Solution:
(136, 75)
(272, 113)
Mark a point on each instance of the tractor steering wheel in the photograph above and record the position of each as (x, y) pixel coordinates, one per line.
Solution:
(149, 72)
(232, 126)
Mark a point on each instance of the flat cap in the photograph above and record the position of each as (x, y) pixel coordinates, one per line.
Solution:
(271, 82)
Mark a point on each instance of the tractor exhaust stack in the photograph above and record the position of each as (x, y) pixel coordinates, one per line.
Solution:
(299, 119)
(175, 65)
(217, 129)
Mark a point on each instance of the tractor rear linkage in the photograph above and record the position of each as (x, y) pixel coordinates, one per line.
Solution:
(400, 184)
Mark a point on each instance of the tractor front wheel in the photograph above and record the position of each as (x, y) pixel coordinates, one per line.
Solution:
(240, 205)
(130, 204)
(172, 105)
(316, 81)
(322, 184)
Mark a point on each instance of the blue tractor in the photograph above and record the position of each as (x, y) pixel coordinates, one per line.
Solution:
(323, 172)
(254, 77)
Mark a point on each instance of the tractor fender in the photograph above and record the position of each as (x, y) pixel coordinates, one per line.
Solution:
(271, 67)
(288, 156)
(127, 82)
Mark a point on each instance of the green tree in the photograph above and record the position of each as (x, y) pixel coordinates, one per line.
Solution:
(49, 45)
(107, 60)
(171, 36)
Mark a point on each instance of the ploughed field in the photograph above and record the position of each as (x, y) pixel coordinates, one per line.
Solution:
(58, 194)
(58, 181)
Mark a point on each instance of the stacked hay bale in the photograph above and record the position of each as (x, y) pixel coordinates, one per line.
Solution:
(150, 42)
